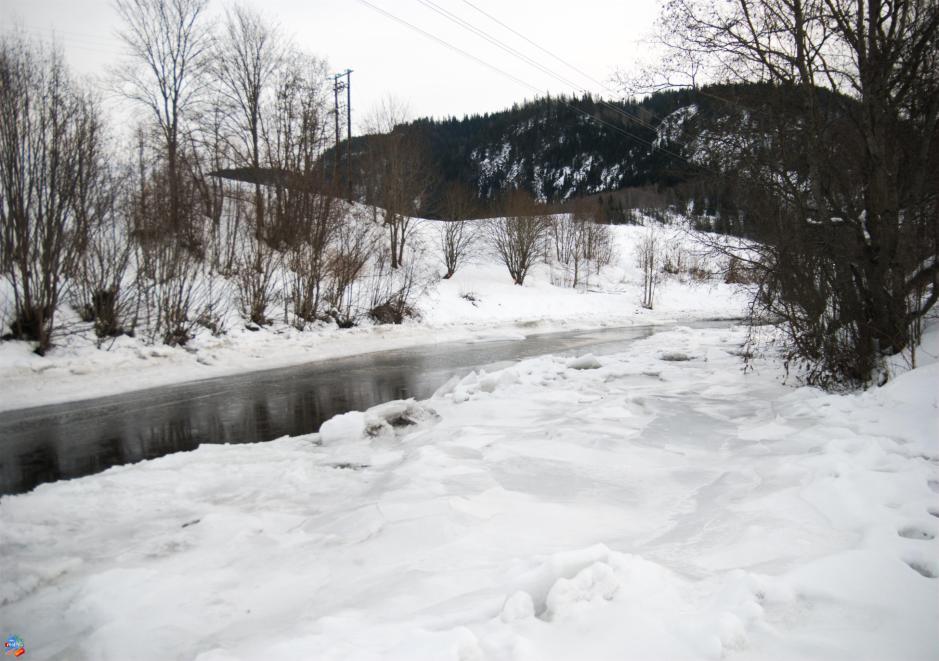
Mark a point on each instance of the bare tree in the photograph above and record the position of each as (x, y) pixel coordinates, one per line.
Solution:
(833, 162)
(457, 235)
(247, 57)
(596, 244)
(296, 133)
(208, 153)
(169, 45)
(399, 174)
(50, 152)
(649, 260)
(518, 238)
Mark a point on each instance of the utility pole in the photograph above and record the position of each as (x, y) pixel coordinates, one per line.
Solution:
(337, 83)
(349, 132)
(338, 86)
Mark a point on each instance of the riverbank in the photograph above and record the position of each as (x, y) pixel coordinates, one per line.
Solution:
(658, 503)
(477, 304)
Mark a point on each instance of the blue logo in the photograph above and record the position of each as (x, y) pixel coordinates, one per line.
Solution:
(14, 646)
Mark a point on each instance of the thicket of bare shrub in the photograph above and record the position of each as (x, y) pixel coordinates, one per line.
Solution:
(458, 236)
(518, 238)
(578, 246)
(649, 252)
(50, 156)
(833, 163)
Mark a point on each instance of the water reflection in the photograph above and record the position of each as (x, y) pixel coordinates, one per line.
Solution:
(70, 440)
(39, 448)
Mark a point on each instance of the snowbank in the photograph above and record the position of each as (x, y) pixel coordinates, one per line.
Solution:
(643, 509)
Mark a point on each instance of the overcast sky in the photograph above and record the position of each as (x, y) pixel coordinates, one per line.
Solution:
(387, 57)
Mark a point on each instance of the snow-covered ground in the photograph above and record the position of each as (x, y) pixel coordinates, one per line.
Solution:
(655, 504)
(80, 366)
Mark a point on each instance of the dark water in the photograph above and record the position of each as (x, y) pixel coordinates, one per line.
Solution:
(60, 441)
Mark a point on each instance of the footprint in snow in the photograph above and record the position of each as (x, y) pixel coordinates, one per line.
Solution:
(934, 485)
(926, 569)
(912, 532)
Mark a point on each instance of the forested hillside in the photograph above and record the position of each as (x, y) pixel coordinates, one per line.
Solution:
(561, 148)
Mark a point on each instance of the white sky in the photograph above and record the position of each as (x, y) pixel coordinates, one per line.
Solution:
(596, 36)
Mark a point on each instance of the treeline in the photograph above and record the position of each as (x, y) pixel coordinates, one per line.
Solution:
(562, 148)
(138, 234)
(222, 193)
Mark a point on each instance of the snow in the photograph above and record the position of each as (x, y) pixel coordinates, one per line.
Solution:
(79, 368)
(585, 362)
(642, 509)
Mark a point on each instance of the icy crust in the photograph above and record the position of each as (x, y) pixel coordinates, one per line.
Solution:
(642, 509)
(384, 420)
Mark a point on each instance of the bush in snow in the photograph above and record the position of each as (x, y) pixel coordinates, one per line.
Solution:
(52, 155)
(457, 234)
(393, 291)
(104, 291)
(648, 259)
(255, 278)
(518, 238)
(308, 256)
(177, 292)
(355, 243)
(578, 244)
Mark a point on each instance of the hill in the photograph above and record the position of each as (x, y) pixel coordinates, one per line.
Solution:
(561, 148)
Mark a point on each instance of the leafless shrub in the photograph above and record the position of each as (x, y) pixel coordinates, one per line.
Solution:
(598, 245)
(579, 245)
(308, 257)
(738, 273)
(457, 235)
(49, 151)
(518, 238)
(457, 241)
(673, 258)
(104, 291)
(393, 291)
(177, 292)
(649, 259)
(833, 163)
(345, 266)
(257, 267)
(698, 271)
(225, 237)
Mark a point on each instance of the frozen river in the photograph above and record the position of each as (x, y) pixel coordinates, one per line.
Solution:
(62, 441)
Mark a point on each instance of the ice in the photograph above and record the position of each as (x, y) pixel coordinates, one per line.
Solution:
(378, 421)
(644, 510)
(585, 362)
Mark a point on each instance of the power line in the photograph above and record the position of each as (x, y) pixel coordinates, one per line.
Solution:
(515, 52)
(518, 80)
(67, 39)
(541, 48)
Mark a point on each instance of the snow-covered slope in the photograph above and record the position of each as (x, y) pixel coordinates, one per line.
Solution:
(657, 504)
(81, 366)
